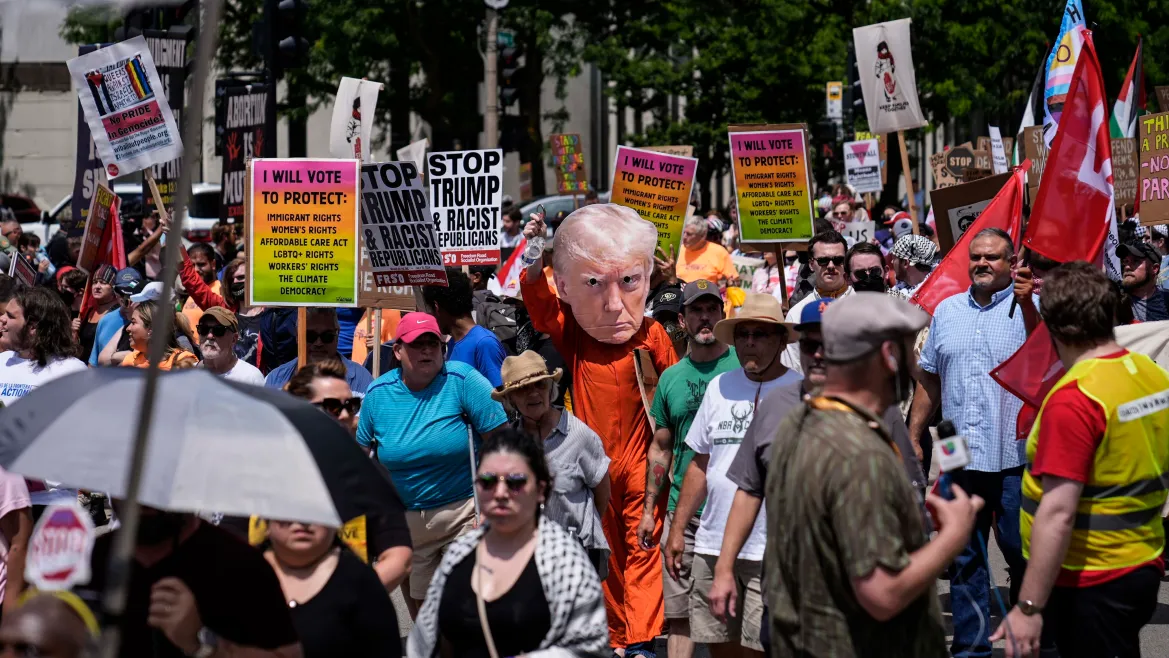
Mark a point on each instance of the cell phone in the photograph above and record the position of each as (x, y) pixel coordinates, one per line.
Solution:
(541, 212)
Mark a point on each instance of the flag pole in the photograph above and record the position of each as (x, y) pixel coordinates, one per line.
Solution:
(908, 180)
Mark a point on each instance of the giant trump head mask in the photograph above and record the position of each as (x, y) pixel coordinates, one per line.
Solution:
(602, 265)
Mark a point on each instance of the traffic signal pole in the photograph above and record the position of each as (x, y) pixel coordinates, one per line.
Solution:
(490, 83)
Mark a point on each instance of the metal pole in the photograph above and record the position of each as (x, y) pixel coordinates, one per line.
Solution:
(490, 83)
(118, 574)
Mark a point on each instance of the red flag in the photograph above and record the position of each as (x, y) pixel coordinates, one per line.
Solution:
(111, 251)
(1073, 209)
(952, 275)
(1029, 374)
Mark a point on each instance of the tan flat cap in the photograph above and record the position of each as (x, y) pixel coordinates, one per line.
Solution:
(857, 324)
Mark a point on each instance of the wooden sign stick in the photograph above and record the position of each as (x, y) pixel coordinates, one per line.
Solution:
(908, 180)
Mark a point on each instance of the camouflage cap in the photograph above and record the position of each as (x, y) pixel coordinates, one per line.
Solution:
(857, 324)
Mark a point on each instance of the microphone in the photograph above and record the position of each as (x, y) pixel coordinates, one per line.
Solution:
(952, 456)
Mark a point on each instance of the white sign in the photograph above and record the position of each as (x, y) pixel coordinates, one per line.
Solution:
(885, 62)
(998, 151)
(416, 153)
(963, 216)
(352, 124)
(858, 232)
(397, 228)
(862, 165)
(466, 193)
(835, 97)
(60, 548)
(125, 107)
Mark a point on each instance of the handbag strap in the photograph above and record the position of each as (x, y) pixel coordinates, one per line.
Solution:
(482, 605)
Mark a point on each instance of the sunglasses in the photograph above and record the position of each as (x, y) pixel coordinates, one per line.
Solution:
(872, 273)
(325, 337)
(790, 260)
(334, 406)
(489, 481)
(835, 260)
(809, 346)
(841, 213)
(216, 330)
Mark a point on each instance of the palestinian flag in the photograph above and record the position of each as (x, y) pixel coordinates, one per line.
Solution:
(1132, 102)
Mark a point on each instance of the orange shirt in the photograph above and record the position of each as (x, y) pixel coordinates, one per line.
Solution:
(364, 328)
(604, 382)
(191, 310)
(183, 358)
(712, 262)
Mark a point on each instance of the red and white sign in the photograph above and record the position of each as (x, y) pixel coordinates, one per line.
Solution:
(60, 548)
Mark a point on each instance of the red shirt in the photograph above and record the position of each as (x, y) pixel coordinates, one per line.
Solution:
(1071, 429)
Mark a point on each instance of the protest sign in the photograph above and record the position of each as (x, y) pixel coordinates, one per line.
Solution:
(858, 232)
(1124, 170)
(466, 194)
(959, 158)
(657, 186)
(834, 93)
(247, 135)
(102, 210)
(372, 295)
(118, 87)
(20, 269)
(302, 232)
(88, 171)
(568, 164)
(957, 206)
(684, 151)
(885, 62)
(1162, 98)
(397, 228)
(352, 124)
(883, 149)
(998, 151)
(1035, 149)
(415, 152)
(942, 176)
(60, 548)
(1154, 179)
(862, 166)
(169, 51)
(772, 194)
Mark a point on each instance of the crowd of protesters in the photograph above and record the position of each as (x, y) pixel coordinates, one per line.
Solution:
(765, 494)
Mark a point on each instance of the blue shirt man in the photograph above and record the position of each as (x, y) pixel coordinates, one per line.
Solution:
(470, 343)
(321, 333)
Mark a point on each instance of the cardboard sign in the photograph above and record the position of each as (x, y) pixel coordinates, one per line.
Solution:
(1125, 168)
(102, 210)
(998, 152)
(352, 124)
(858, 232)
(397, 228)
(131, 124)
(684, 151)
(466, 194)
(885, 62)
(1162, 98)
(169, 50)
(245, 136)
(883, 148)
(834, 92)
(20, 269)
(371, 295)
(1035, 149)
(60, 548)
(657, 186)
(942, 176)
(862, 166)
(1154, 179)
(957, 206)
(568, 164)
(302, 232)
(772, 191)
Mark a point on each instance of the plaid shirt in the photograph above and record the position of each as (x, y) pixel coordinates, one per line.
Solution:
(965, 343)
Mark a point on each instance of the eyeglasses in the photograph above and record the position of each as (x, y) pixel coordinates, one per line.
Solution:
(325, 337)
(841, 213)
(835, 260)
(334, 406)
(756, 335)
(489, 481)
(871, 273)
(809, 346)
(216, 330)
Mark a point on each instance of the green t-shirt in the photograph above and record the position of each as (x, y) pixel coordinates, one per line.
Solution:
(676, 401)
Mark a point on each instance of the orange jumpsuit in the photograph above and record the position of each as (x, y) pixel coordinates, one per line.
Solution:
(606, 397)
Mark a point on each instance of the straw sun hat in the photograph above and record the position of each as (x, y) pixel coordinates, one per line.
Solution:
(519, 371)
(757, 307)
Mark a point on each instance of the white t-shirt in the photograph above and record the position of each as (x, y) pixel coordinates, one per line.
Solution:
(722, 420)
(791, 354)
(245, 373)
(18, 377)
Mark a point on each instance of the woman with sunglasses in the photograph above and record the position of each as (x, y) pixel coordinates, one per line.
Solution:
(323, 384)
(338, 606)
(140, 330)
(218, 330)
(575, 454)
(519, 583)
(104, 300)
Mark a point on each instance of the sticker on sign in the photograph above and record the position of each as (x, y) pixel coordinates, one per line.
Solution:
(59, 551)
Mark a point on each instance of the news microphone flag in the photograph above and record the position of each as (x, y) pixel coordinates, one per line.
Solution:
(952, 275)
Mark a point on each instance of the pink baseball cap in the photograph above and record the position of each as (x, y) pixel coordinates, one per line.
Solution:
(413, 325)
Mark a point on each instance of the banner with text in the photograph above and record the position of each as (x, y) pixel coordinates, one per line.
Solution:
(772, 185)
(397, 228)
(1124, 170)
(169, 50)
(885, 62)
(862, 166)
(568, 163)
(657, 186)
(303, 223)
(1154, 185)
(466, 194)
(118, 87)
(87, 171)
(245, 136)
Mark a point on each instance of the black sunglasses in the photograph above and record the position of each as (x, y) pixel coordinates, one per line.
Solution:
(324, 336)
(489, 481)
(334, 407)
(872, 273)
(835, 260)
(809, 346)
(217, 330)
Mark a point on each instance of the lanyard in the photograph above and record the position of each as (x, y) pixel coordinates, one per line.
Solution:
(832, 404)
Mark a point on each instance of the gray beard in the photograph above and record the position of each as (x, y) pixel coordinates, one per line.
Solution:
(704, 341)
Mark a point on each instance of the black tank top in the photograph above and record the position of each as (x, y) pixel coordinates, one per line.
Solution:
(519, 619)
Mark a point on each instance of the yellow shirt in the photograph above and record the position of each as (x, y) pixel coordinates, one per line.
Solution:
(712, 262)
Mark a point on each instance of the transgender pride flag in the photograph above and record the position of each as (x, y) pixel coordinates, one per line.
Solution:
(1061, 63)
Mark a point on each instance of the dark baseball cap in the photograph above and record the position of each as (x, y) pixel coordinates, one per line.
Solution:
(1139, 249)
(668, 300)
(129, 281)
(697, 289)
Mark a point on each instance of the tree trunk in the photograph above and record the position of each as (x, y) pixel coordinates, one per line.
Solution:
(531, 144)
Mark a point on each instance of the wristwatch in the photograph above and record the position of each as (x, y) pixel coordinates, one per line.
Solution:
(208, 643)
(1028, 608)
